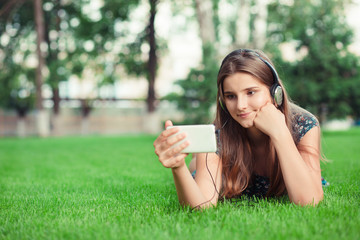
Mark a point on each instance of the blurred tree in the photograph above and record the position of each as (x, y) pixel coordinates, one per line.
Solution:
(69, 43)
(198, 89)
(42, 122)
(39, 25)
(260, 24)
(95, 33)
(20, 18)
(106, 29)
(325, 76)
(247, 26)
(242, 23)
(152, 61)
(133, 56)
(205, 16)
(17, 84)
(52, 39)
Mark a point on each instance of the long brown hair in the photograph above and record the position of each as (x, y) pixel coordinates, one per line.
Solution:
(235, 150)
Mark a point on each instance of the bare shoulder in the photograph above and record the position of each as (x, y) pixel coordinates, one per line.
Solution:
(311, 138)
(207, 162)
(309, 148)
(209, 158)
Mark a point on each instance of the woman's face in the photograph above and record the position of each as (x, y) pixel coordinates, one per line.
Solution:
(244, 96)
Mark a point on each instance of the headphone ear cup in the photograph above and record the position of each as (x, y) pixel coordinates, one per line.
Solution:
(277, 94)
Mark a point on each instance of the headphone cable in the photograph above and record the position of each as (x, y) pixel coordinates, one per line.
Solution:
(213, 181)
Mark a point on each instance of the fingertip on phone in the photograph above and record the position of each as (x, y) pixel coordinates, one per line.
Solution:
(182, 135)
(186, 143)
(168, 123)
(173, 128)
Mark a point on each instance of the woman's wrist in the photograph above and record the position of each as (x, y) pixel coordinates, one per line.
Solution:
(178, 169)
(281, 135)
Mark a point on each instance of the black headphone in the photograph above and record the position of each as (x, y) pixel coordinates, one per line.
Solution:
(276, 90)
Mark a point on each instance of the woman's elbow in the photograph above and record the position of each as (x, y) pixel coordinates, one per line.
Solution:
(309, 200)
(202, 206)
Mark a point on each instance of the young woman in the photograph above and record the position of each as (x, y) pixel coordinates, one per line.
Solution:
(267, 145)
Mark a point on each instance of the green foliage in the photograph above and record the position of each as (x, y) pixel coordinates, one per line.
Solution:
(101, 30)
(105, 188)
(322, 79)
(216, 18)
(132, 56)
(17, 89)
(198, 90)
(67, 30)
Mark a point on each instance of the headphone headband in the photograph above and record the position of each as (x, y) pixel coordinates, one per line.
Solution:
(244, 50)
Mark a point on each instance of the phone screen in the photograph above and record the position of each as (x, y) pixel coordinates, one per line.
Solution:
(202, 138)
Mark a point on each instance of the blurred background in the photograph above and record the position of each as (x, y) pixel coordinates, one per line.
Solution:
(125, 66)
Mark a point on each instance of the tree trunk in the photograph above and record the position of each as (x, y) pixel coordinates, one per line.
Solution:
(21, 127)
(39, 20)
(85, 115)
(85, 125)
(204, 11)
(53, 56)
(42, 124)
(242, 36)
(56, 109)
(152, 63)
(260, 24)
(51, 59)
(56, 100)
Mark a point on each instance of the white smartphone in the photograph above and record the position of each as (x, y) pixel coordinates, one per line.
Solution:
(202, 138)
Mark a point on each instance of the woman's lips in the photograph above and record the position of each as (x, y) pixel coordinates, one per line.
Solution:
(244, 115)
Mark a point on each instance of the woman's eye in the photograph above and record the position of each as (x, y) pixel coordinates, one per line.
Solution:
(251, 92)
(229, 97)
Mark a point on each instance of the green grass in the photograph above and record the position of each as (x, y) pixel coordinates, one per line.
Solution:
(115, 188)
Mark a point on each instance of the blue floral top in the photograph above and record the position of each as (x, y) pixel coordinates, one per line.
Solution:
(303, 122)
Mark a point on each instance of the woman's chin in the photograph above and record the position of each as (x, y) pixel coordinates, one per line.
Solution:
(246, 124)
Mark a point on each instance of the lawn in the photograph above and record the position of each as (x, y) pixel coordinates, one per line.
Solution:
(114, 188)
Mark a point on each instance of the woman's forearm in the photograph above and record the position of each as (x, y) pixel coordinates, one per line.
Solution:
(189, 193)
(301, 183)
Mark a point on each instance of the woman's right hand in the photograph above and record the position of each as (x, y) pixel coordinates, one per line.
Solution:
(169, 156)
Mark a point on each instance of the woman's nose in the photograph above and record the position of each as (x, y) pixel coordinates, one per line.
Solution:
(242, 103)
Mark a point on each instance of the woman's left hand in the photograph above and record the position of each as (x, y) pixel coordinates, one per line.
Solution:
(269, 120)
